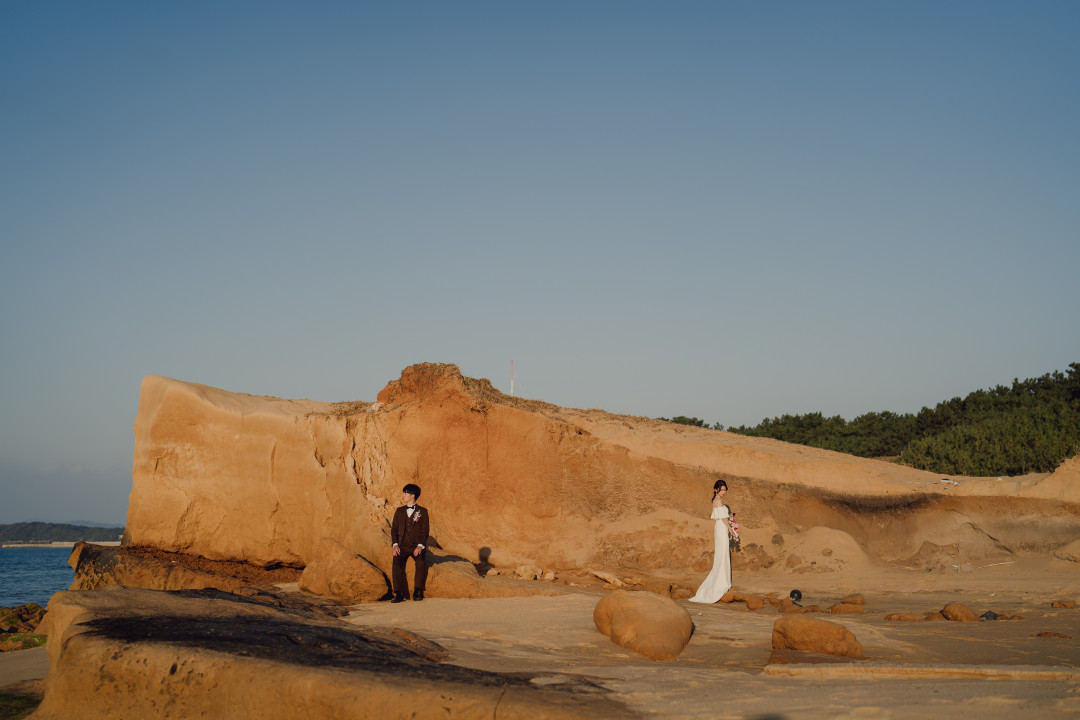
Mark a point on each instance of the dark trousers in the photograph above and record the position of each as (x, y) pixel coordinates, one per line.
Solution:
(401, 584)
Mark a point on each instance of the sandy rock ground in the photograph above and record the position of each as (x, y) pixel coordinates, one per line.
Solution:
(911, 669)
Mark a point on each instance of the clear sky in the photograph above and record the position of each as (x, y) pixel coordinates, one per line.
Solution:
(729, 210)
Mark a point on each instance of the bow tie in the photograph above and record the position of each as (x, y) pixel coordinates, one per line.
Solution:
(410, 508)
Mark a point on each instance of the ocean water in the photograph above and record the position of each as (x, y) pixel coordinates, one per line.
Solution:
(33, 574)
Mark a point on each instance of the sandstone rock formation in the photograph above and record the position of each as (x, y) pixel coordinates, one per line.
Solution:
(644, 622)
(518, 482)
(798, 632)
(124, 653)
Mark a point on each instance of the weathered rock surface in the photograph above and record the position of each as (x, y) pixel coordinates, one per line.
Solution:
(21, 618)
(239, 477)
(124, 653)
(644, 622)
(343, 575)
(798, 632)
(101, 566)
(18, 627)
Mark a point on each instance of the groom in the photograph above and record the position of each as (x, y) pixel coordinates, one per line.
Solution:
(409, 533)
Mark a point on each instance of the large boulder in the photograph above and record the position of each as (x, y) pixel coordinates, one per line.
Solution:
(338, 573)
(798, 632)
(644, 622)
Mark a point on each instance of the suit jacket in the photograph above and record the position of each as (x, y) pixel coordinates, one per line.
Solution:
(409, 532)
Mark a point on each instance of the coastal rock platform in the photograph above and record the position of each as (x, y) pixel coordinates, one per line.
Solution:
(134, 653)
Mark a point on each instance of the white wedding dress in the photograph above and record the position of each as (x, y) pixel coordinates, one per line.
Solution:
(719, 580)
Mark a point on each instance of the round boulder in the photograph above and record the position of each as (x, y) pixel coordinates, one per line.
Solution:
(644, 622)
(798, 632)
(959, 612)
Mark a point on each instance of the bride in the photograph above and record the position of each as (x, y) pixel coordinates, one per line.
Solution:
(719, 580)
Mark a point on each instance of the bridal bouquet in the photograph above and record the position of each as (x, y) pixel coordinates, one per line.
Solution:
(736, 542)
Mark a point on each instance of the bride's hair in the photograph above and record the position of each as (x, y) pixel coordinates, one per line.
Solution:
(716, 487)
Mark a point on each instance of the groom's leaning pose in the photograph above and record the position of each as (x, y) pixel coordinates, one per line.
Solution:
(409, 534)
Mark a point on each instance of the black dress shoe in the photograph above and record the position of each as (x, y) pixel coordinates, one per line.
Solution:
(398, 598)
(418, 595)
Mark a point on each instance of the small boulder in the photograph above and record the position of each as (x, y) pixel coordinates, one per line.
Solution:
(529, 572)
(959, 612)
(339, 573)
(904, 617)
(846, 609)
(452, 577)
(798, 632)
(795, 609)
(644, 622)
(609, 578)
(1069, 604)
(934, 616)
(753, 602)
(1054, 635)
(854, 599)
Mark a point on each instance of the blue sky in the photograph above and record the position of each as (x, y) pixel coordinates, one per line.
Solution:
(728, 210)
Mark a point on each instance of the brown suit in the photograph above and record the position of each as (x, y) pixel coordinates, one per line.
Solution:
(407, 533)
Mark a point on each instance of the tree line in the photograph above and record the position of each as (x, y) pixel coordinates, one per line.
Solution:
(41, 532)
(1031, 426)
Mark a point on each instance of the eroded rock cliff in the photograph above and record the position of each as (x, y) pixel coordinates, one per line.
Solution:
(510, 481)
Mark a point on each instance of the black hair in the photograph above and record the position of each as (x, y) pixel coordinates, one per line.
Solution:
(716, 487)
(412, 489)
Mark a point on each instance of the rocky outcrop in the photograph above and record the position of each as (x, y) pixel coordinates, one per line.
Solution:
(644, 622)
(18, 626)
(515, 482)
(102, 566)
(130, 653)
(21, 618)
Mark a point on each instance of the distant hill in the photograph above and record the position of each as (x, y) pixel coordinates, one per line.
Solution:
(42, 532)
(91, 523)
